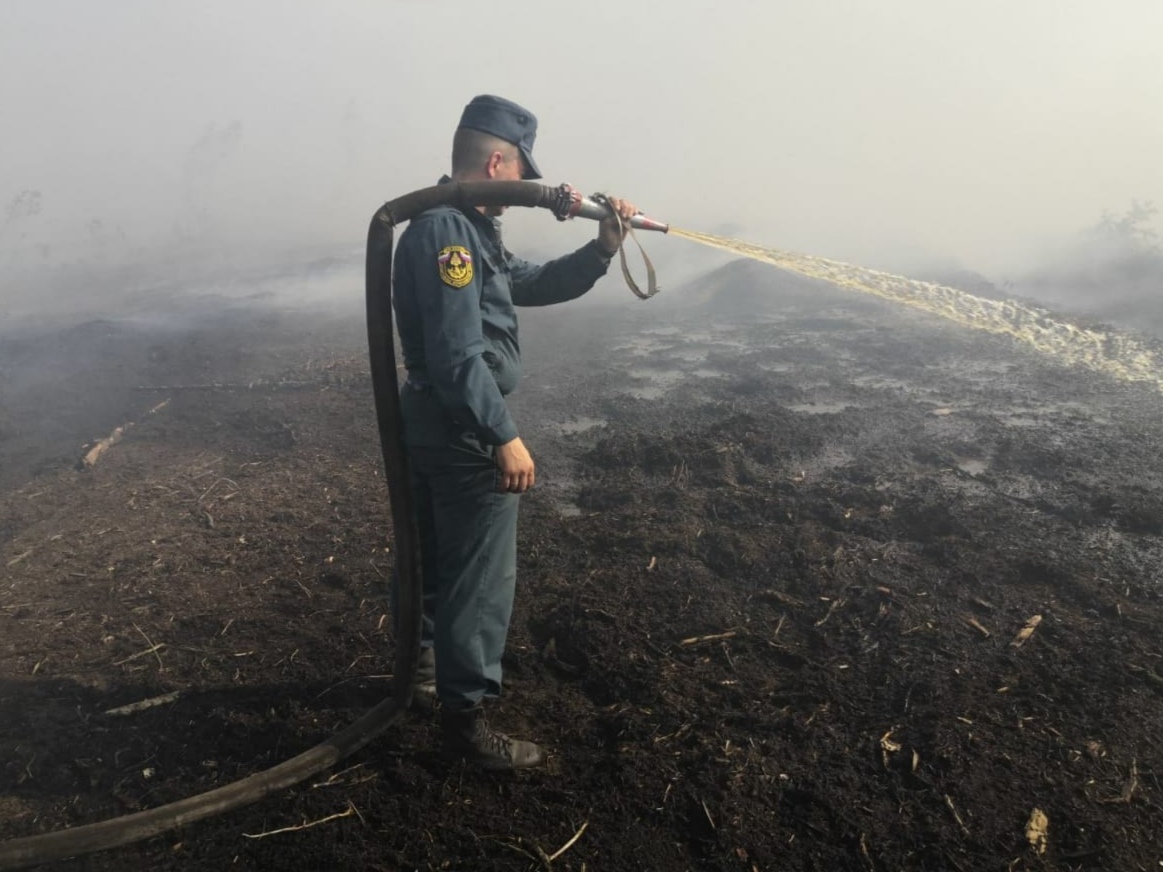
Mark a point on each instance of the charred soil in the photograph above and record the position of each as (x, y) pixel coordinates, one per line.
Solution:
(771, 589)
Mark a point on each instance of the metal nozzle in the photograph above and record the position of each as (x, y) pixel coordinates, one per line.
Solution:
(641, 222)
(596, 208)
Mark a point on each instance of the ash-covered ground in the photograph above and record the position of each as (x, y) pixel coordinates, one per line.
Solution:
(772, 582)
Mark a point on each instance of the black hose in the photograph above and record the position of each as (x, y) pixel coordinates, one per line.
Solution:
(386, 386)
(90, 838)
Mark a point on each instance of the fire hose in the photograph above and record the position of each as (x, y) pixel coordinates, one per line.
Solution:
(565, 202)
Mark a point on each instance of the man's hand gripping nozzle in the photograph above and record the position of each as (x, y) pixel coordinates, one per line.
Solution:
(571, 203)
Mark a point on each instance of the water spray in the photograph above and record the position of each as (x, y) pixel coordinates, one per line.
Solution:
(1108, 351)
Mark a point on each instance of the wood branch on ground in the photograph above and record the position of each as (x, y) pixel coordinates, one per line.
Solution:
(1027, 631)
(973, 622)
(306, 825)
(714, 637)
(956, 816)
(152, 650)
(142, 705)
(102, 445)
(570, 843)
(780, 597)
(836, 603)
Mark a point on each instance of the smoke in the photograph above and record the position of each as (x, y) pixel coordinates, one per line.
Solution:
(1112, 271)
(149, 143)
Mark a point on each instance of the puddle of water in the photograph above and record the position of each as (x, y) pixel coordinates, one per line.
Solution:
(662, 376)
(973, 466)
(647, 393)
(815, 385)
(879, 381)
(1019, 416)
(686, 354)
(718, 338)
(1018, 420)
(661, 380)
(1034, 416)
(642, 347)
(563, 490)
(579, 425)
(820, 408)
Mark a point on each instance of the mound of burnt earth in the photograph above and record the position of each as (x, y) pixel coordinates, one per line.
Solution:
(808, 582)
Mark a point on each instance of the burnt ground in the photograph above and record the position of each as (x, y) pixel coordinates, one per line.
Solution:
(784, 540)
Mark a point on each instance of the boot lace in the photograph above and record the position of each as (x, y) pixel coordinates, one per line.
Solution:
(493, 741)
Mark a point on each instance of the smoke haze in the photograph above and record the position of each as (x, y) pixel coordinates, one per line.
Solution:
(900, 135)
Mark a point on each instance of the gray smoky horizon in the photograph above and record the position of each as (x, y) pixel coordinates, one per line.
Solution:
(1007, 149)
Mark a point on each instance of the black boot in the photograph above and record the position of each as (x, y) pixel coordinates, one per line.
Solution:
(424, 685)
(468, 735)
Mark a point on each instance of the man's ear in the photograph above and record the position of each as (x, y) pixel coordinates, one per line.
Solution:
(495, 161)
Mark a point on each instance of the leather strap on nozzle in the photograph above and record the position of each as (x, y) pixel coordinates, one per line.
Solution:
(651, 281)
(568, 203)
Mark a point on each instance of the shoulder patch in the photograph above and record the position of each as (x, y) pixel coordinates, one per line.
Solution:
(455, 264)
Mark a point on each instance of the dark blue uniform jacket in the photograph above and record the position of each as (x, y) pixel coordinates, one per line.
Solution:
(456, 289)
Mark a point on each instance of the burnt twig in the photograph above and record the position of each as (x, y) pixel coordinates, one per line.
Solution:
(306, 825)
(142, 705)
(714, 637)
(570, 843)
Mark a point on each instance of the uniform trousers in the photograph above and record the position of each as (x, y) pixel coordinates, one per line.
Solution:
(468, 550)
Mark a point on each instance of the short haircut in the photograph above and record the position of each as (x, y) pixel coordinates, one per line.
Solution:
(471, 149)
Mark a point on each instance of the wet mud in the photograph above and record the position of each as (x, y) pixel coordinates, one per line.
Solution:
(773, 586)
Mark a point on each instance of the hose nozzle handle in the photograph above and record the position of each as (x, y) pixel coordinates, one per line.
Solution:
(572, 203)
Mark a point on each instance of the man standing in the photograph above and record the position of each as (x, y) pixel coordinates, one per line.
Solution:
(456, 289)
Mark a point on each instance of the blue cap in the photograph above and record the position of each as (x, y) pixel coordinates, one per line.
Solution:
(505, 120)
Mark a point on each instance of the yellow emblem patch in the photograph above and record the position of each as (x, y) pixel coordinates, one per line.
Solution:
(455, 264)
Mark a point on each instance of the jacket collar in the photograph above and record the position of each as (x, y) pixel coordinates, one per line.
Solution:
(485, 222)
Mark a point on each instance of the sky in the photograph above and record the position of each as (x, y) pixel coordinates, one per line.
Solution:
(888, 134)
